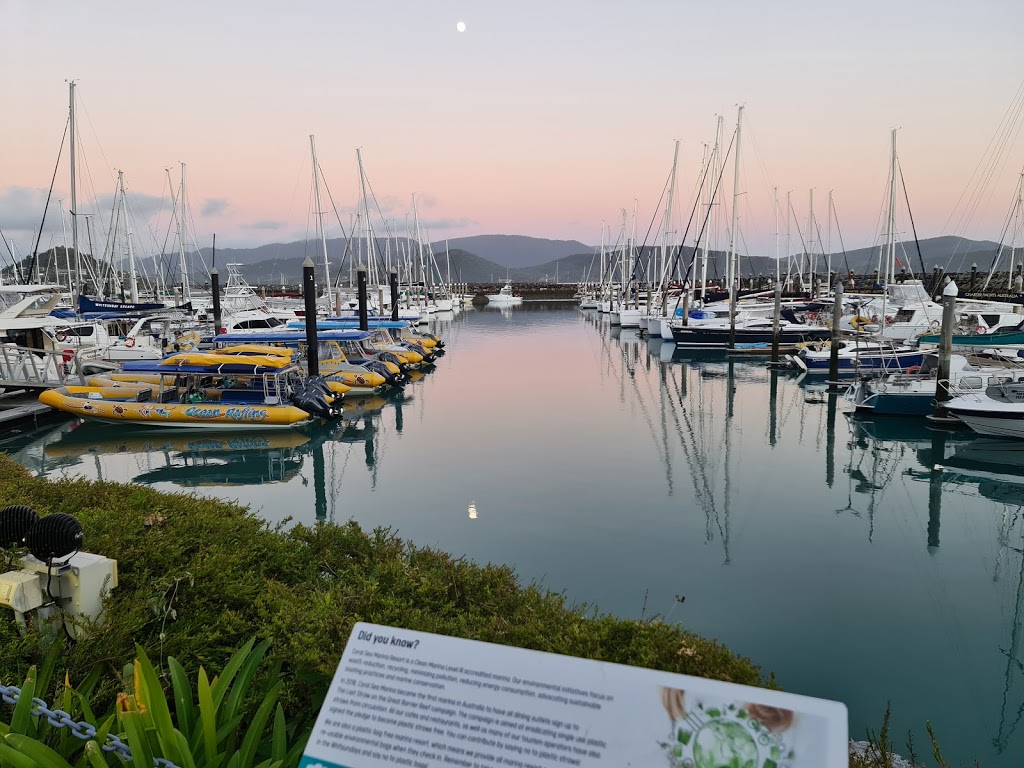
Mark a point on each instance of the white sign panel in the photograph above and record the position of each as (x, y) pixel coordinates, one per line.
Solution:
(417, 700)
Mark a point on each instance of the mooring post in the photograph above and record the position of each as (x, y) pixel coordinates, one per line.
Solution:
(974, 276)
(309, 297)
(949, 294)
(393, 279)
(364, 321)
(775, 322)
(215, 287)
(837, 332)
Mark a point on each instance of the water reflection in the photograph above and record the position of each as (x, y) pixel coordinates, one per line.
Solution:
(863, 560)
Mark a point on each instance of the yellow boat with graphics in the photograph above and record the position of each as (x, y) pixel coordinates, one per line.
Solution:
(205, 391)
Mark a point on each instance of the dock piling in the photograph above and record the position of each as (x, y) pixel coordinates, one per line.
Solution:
(309, 297)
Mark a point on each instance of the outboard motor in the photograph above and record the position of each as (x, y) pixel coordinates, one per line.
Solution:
(422, 351)
(392, 379)
(315, 398)
(391, 357)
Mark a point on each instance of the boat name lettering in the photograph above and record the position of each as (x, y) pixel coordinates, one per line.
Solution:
(235, 414)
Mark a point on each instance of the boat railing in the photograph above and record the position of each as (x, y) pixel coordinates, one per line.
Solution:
(31, 368)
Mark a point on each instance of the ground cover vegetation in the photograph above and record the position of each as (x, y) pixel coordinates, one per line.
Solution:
(221, 621)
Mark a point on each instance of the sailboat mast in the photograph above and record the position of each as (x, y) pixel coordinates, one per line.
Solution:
(321, 232)
(812, 260)
(74, 201)
(828, 236)
(67, 254)
(776, 198)
(133, 282)
(366, 218)
(663, 274)
(789, 242)
(734, 231)
(186, 295)
(1016, 230)
(890, 267)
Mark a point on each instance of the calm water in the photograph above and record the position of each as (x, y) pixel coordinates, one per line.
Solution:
(861, 561)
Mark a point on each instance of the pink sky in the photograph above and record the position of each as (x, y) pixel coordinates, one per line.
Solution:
(541, 118)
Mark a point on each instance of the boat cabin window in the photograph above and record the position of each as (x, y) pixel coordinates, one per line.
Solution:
(904, 316)
(970, 382)
(269, 322)
(81, 331)
(329, 350)
(991, 320)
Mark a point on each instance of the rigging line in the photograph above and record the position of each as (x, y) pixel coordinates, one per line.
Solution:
(35, 251)
(913, 227)
(1000, 246)
(1019, 95)
(707, 216)
(337, 215)
(375, 245)
(654, 218)
(996, 162)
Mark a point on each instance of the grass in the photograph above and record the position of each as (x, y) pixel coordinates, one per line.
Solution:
(199, 577)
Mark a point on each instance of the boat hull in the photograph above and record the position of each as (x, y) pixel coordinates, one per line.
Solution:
(702, 337)
(104, 405)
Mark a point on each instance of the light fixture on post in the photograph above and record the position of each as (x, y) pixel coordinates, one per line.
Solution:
(56, 581)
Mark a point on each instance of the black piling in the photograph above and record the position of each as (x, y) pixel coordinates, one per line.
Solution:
(309, 296)
(837, 332)
(215, 287)
(364, 321)
(393, 279)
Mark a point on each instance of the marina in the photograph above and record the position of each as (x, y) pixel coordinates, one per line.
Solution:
(852, 557)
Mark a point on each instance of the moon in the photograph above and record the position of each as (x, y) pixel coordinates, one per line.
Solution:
(461, 26)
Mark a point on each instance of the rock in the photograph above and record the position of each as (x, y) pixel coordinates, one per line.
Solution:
(867, 750)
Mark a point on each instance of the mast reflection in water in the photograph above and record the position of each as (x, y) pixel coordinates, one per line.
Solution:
(867, 561)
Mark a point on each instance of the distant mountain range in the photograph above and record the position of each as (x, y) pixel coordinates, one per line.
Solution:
(488, 258)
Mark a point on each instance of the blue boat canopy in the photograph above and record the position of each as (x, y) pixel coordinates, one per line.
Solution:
(350, 323)
(289, 337)
(236, 369)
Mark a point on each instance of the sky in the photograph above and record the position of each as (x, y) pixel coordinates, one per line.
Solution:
(541, 118)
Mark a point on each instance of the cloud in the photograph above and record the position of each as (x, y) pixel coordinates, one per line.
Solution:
(21, 208)
(437, 224)
(139, 204)
(214, 206)
(264, 224)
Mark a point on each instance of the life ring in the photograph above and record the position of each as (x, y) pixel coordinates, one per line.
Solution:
(981, 329)
(129, 342)
(914, 369)
(889, 319)
(812, 316)
(936, 325)
(62, 337)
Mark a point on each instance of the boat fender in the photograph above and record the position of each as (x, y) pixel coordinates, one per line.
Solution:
(129, 342)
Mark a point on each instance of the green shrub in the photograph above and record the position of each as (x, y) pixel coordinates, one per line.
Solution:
(211, 727)
(199, 577)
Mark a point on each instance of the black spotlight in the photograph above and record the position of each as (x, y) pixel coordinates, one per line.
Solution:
(15, 523)
(54, 537)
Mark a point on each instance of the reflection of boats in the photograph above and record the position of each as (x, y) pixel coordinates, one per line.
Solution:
(101, 439)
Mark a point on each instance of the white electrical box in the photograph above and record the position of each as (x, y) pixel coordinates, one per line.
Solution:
(20, 591)
(75, 588)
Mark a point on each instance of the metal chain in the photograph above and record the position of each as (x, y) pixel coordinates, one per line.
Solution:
(58, 718)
